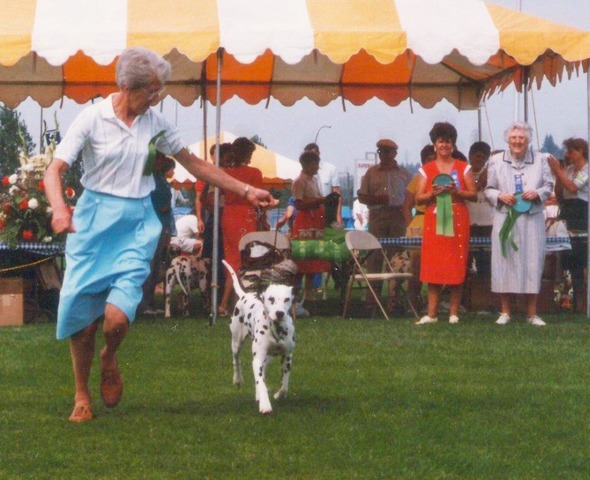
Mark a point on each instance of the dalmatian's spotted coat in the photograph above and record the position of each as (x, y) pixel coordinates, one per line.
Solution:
(190, 272)
(266, 318)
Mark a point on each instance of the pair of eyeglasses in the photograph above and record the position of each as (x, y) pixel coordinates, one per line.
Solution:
(151, 94)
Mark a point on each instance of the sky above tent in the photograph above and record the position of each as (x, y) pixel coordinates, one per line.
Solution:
(353, 131)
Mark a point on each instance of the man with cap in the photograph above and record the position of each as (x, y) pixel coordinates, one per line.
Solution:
(383, 190)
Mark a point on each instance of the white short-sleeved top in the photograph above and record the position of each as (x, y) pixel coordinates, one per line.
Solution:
(113, 154)
(580, 179)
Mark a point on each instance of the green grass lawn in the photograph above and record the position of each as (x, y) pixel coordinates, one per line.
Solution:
(369, 399)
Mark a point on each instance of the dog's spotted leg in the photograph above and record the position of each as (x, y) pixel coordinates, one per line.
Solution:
(286, 371)
(259, 364)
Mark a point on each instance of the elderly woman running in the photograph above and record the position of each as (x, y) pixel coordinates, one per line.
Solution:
(114, 229)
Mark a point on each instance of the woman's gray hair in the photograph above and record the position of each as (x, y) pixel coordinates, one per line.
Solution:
(523, 126)
(137, 66)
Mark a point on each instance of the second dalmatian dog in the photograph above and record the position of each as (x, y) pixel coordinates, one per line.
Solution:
(266, 317)
(190, 272)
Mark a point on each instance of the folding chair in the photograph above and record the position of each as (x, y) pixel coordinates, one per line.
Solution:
(361, 244)
(270, 242)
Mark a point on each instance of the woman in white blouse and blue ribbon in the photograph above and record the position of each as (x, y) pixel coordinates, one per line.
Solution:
(114, 229)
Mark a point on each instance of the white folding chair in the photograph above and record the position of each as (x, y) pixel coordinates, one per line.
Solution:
(361, 244)
(250, 276)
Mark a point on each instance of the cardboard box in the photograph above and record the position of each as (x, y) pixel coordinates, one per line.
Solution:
(11, 301)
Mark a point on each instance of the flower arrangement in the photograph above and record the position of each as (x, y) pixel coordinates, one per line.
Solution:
(25, 214)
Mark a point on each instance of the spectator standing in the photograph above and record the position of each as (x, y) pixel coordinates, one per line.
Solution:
(239, 217)
(329, 182)
(383, 189)
(360, 213)
(309, 203)
(416, 224)
(445, 244)
(571, 189)
(519, 183)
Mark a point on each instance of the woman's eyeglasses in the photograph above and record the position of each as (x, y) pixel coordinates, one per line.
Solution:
(151, 94)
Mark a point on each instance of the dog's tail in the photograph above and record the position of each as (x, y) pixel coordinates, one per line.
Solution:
(179, 281)
(237, 287)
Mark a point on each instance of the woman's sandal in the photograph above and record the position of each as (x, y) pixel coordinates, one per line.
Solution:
(82, 413)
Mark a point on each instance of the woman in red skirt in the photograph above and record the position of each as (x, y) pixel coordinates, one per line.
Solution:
(309, 203)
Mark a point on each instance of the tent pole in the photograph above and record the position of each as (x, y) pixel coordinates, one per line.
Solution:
(215, 255)
(588, 167)
(479, 122)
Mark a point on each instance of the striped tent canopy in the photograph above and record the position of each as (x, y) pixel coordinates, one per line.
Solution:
(277, 170)
(427, 50)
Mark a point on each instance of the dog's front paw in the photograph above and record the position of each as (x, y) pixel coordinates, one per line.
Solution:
(238, 381)
(265, 409)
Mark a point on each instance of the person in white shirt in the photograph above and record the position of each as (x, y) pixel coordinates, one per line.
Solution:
(114, 228)
(187, 232)
(328, 180)
(361, 215)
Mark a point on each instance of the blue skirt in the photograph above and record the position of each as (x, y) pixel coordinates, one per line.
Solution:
(107, 258)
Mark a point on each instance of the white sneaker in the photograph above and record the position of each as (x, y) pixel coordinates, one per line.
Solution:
(503, 319)
(536, 321)
(453, 319)
(426, 319)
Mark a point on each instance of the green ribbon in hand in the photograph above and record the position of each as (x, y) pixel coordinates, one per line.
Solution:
(521, 206)
(444, 215)
(506, 231)
(149, 165)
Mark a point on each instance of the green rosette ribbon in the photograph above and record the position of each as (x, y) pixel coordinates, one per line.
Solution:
(521, 206)
(444, 215)
(149, 165)
(506, 231)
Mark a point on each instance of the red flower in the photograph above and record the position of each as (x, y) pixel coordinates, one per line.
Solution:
(2, 224)
(70, 192)
(5, 181)
(41, 185)
(23, 205)
(28, 235)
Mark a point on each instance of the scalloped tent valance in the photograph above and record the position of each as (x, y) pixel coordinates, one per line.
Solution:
(427, 50)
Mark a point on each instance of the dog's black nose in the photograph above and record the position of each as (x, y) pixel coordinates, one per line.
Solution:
(280, 315)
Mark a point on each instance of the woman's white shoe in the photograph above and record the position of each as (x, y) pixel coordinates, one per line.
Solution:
(426, 319)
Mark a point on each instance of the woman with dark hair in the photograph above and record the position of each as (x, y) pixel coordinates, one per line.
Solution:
(571, 189)
(309, 203)
(446, 183)
(239, 217)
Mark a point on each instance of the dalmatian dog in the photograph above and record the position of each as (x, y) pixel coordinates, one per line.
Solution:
(266, 318)
(190, 272)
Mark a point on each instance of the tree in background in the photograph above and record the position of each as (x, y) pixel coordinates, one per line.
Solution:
(549, 146)
(11, 142)
(258, 141)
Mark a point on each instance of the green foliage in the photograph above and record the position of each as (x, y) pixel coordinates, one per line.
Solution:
(11, 127)
(258, 141)
(549, 146)
(369, 399)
